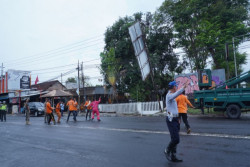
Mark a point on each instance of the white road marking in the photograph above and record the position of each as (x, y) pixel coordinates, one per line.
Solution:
(145, 131)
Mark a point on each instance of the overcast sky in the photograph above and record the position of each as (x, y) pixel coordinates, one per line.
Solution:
(37, 35)
(44, 34)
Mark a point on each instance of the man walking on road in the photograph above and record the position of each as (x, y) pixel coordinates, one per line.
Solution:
(182, 102)
(49, 111)
(27, 111)
(62, 108)
(45, 112)
(172, 120)
(72, 107)
(58, 113)
(88, 108)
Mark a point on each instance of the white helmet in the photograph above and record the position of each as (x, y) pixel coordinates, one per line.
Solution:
(4, 102)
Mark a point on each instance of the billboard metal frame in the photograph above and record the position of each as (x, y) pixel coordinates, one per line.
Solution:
(140, 49)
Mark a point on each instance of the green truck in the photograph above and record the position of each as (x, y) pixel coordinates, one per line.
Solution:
(227, 97)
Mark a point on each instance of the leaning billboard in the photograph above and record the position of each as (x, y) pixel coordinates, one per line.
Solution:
(18, 79)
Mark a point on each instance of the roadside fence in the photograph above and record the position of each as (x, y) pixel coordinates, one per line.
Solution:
(143, 108)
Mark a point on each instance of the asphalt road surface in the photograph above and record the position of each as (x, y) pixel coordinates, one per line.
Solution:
(123, 142)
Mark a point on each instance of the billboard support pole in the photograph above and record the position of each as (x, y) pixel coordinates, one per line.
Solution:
(152, 75)
(141, 52)
(153, 82)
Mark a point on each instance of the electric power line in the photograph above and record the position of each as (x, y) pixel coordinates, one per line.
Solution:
(53, 50)
(54, 56)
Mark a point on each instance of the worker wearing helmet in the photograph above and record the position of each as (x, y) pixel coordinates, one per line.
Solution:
(172, 120)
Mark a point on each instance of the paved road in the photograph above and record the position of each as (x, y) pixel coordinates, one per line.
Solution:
(123, 142)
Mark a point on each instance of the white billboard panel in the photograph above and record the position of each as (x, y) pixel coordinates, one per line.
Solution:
(138, 29)
(144, 64)
(132, 33)
(140, 50)
(18, 79)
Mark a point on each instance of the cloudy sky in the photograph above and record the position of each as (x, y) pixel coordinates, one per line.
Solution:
(48, 37)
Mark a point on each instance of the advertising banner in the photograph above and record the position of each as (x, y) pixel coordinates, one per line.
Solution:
(18, 79)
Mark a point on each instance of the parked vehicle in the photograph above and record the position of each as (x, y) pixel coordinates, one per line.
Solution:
(226, 97)
(36, 108)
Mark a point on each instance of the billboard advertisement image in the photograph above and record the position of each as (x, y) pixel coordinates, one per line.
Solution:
(18, 79)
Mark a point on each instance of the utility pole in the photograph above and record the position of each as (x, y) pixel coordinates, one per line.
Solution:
(235, 65)
(78, 69)
(227, 58)
(1, 83)
(2, 70)
(83, 87)
(61, 80)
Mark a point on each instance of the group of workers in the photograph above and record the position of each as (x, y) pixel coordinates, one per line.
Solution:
(176, 106)
(3, 111)
(72, 106)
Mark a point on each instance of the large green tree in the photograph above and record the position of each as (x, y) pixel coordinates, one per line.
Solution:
(203, 27)
(162, 59)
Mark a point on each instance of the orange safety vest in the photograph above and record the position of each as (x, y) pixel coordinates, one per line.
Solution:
(72, 105)
(182, 103)
(58, 107)
(48, 108)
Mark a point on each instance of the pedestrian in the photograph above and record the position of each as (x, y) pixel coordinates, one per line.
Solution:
(172, 120)
(45, 112)
(58, 113)
(95, 109)
(1, 111)
(27, 111)
(81, 107)
(88, 108)
(76, 106)
(4, 111)
(62, 108)
(182, 102)
(49, 111)
(72, 107)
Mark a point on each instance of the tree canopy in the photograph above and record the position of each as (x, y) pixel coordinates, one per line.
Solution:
(199, 28)
(203, 27)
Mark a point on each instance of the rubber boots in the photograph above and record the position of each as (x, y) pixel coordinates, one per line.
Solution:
(173, 156)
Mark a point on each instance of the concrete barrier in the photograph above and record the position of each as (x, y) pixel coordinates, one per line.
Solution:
(143, 108)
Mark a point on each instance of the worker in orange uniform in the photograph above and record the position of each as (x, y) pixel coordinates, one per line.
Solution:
(88, 108)
(49, 111)
(72, 107)
(58, 113)
(182, 103)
